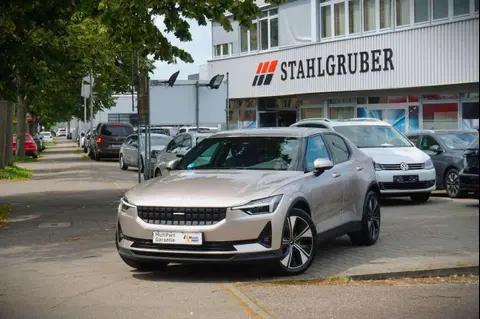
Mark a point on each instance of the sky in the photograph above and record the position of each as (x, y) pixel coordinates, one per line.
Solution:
(199, 48)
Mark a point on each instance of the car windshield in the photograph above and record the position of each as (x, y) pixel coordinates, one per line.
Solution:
(475, 145)
(246, 152)
(458, 141)
(116, 130)
(158, 140)
(374, 136)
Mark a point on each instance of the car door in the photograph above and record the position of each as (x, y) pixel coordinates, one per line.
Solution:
(133, 151)
(126, 150)
(345, 170)
(440, 161)
(324, 192)
(187, 144)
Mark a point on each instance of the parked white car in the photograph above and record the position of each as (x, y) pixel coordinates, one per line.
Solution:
(402, 169)
(61, 132)
(47, 137)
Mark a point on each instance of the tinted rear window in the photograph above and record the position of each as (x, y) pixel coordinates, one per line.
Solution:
(116, 130)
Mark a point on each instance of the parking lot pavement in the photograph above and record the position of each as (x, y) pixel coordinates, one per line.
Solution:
(57, 253)
(425, 301)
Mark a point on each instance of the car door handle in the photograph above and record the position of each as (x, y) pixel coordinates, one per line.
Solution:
(359, 168)
(336, 175)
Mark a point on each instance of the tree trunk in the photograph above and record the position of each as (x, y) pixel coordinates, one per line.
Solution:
(3, 133)
(21, 128)
(8, 146)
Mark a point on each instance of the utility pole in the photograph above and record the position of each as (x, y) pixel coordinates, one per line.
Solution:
(91, 101)
(227, 109)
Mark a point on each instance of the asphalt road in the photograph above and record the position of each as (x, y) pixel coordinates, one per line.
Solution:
(58, 258)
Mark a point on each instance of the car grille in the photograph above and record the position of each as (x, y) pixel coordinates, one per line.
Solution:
(407, 186)
(396, 167)
(181, 215)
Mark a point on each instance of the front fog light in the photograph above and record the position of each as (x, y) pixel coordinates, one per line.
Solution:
(261, 206)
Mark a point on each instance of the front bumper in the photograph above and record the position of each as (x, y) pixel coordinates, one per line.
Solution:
(426, 182)
(238, 237)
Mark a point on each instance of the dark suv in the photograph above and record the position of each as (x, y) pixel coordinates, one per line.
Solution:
(470, 174)
(107, 140)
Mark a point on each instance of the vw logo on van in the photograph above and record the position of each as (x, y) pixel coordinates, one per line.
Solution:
(404, 166)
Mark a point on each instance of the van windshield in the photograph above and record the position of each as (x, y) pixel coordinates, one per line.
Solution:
(365, 136)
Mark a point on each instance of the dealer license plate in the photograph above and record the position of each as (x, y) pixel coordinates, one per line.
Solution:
(406, 179)
(177, 238)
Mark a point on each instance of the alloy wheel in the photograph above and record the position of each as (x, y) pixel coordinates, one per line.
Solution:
(453, 185)
(297, 243)
(373, 217)
(121, 162)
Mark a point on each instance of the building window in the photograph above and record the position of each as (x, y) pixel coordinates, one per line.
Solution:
(248, 38)
(341, 113)
(476, 5)
(440, 9)
(307, 113)
(339, 18)
(421, 10)
(461, 7)
(386, 14)
(403, 12)
(326, 21)
(354, 16)
(269, 29)
(440, 116)
(224, 49)
(369, 15)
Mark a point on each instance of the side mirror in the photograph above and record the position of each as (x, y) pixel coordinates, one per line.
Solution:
(321, 165)
(171, 165)
(436, 149)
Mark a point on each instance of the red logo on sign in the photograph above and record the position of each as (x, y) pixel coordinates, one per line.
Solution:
(265, 71)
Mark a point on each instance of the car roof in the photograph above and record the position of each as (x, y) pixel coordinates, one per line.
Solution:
(347, 122)
(443, 131)
(274, 131)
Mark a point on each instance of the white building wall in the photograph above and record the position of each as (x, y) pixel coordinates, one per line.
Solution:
(437, 55)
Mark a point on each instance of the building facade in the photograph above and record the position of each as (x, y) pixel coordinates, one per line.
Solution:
(412, 63)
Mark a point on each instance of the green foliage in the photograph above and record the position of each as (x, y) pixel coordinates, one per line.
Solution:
(15, 173)
(19, 159)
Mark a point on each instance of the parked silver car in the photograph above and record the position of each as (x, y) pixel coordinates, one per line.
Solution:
(128, 155)
(261, 194)
(178, 147)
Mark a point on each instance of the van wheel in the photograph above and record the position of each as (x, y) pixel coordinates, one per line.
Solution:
(452, 184)
(121, 161)
(158, 172)
(371, 222)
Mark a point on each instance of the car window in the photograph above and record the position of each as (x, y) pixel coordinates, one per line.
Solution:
(183, 130)
(245, 153)
(312, 125)
(116, 130)
(415, 139)
(457, 141)
(175, 143)
(316, 148)
(427, 142)
(187, 141)
(338, 147)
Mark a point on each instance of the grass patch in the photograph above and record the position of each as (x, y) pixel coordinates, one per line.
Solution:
(15, 173)
(17, 159)
(4, 211)
(85, 157)
(50, 143)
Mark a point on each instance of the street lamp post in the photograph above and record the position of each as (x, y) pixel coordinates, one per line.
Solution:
(169, 83)
(214, 84)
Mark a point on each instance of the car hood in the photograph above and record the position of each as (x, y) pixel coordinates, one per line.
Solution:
(219, 188)
(396, 155)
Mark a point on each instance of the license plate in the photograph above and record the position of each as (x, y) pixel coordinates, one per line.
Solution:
(114, 146)
(177, 238)
(406, 179)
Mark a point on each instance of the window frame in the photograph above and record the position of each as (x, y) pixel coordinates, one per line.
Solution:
(173, 142)
(222, 54)
(257, 21)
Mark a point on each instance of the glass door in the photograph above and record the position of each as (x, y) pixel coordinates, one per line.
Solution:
(267, 119)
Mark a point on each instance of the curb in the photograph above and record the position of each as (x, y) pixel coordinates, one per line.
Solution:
(256, 309)
(441, 272)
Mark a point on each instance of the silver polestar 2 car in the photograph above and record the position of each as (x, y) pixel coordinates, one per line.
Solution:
(249, 195)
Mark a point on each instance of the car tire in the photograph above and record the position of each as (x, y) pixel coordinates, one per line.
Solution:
(90, 153)
(299, 243)
(34, 155)
(96, 156)
(121, 162)
(158, 172)
(371, 222)
(452, 184)
(420, 198)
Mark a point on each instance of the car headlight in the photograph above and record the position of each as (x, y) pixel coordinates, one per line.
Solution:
(429, 164)
(125, 204)
(378, 167)
(266, 205)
